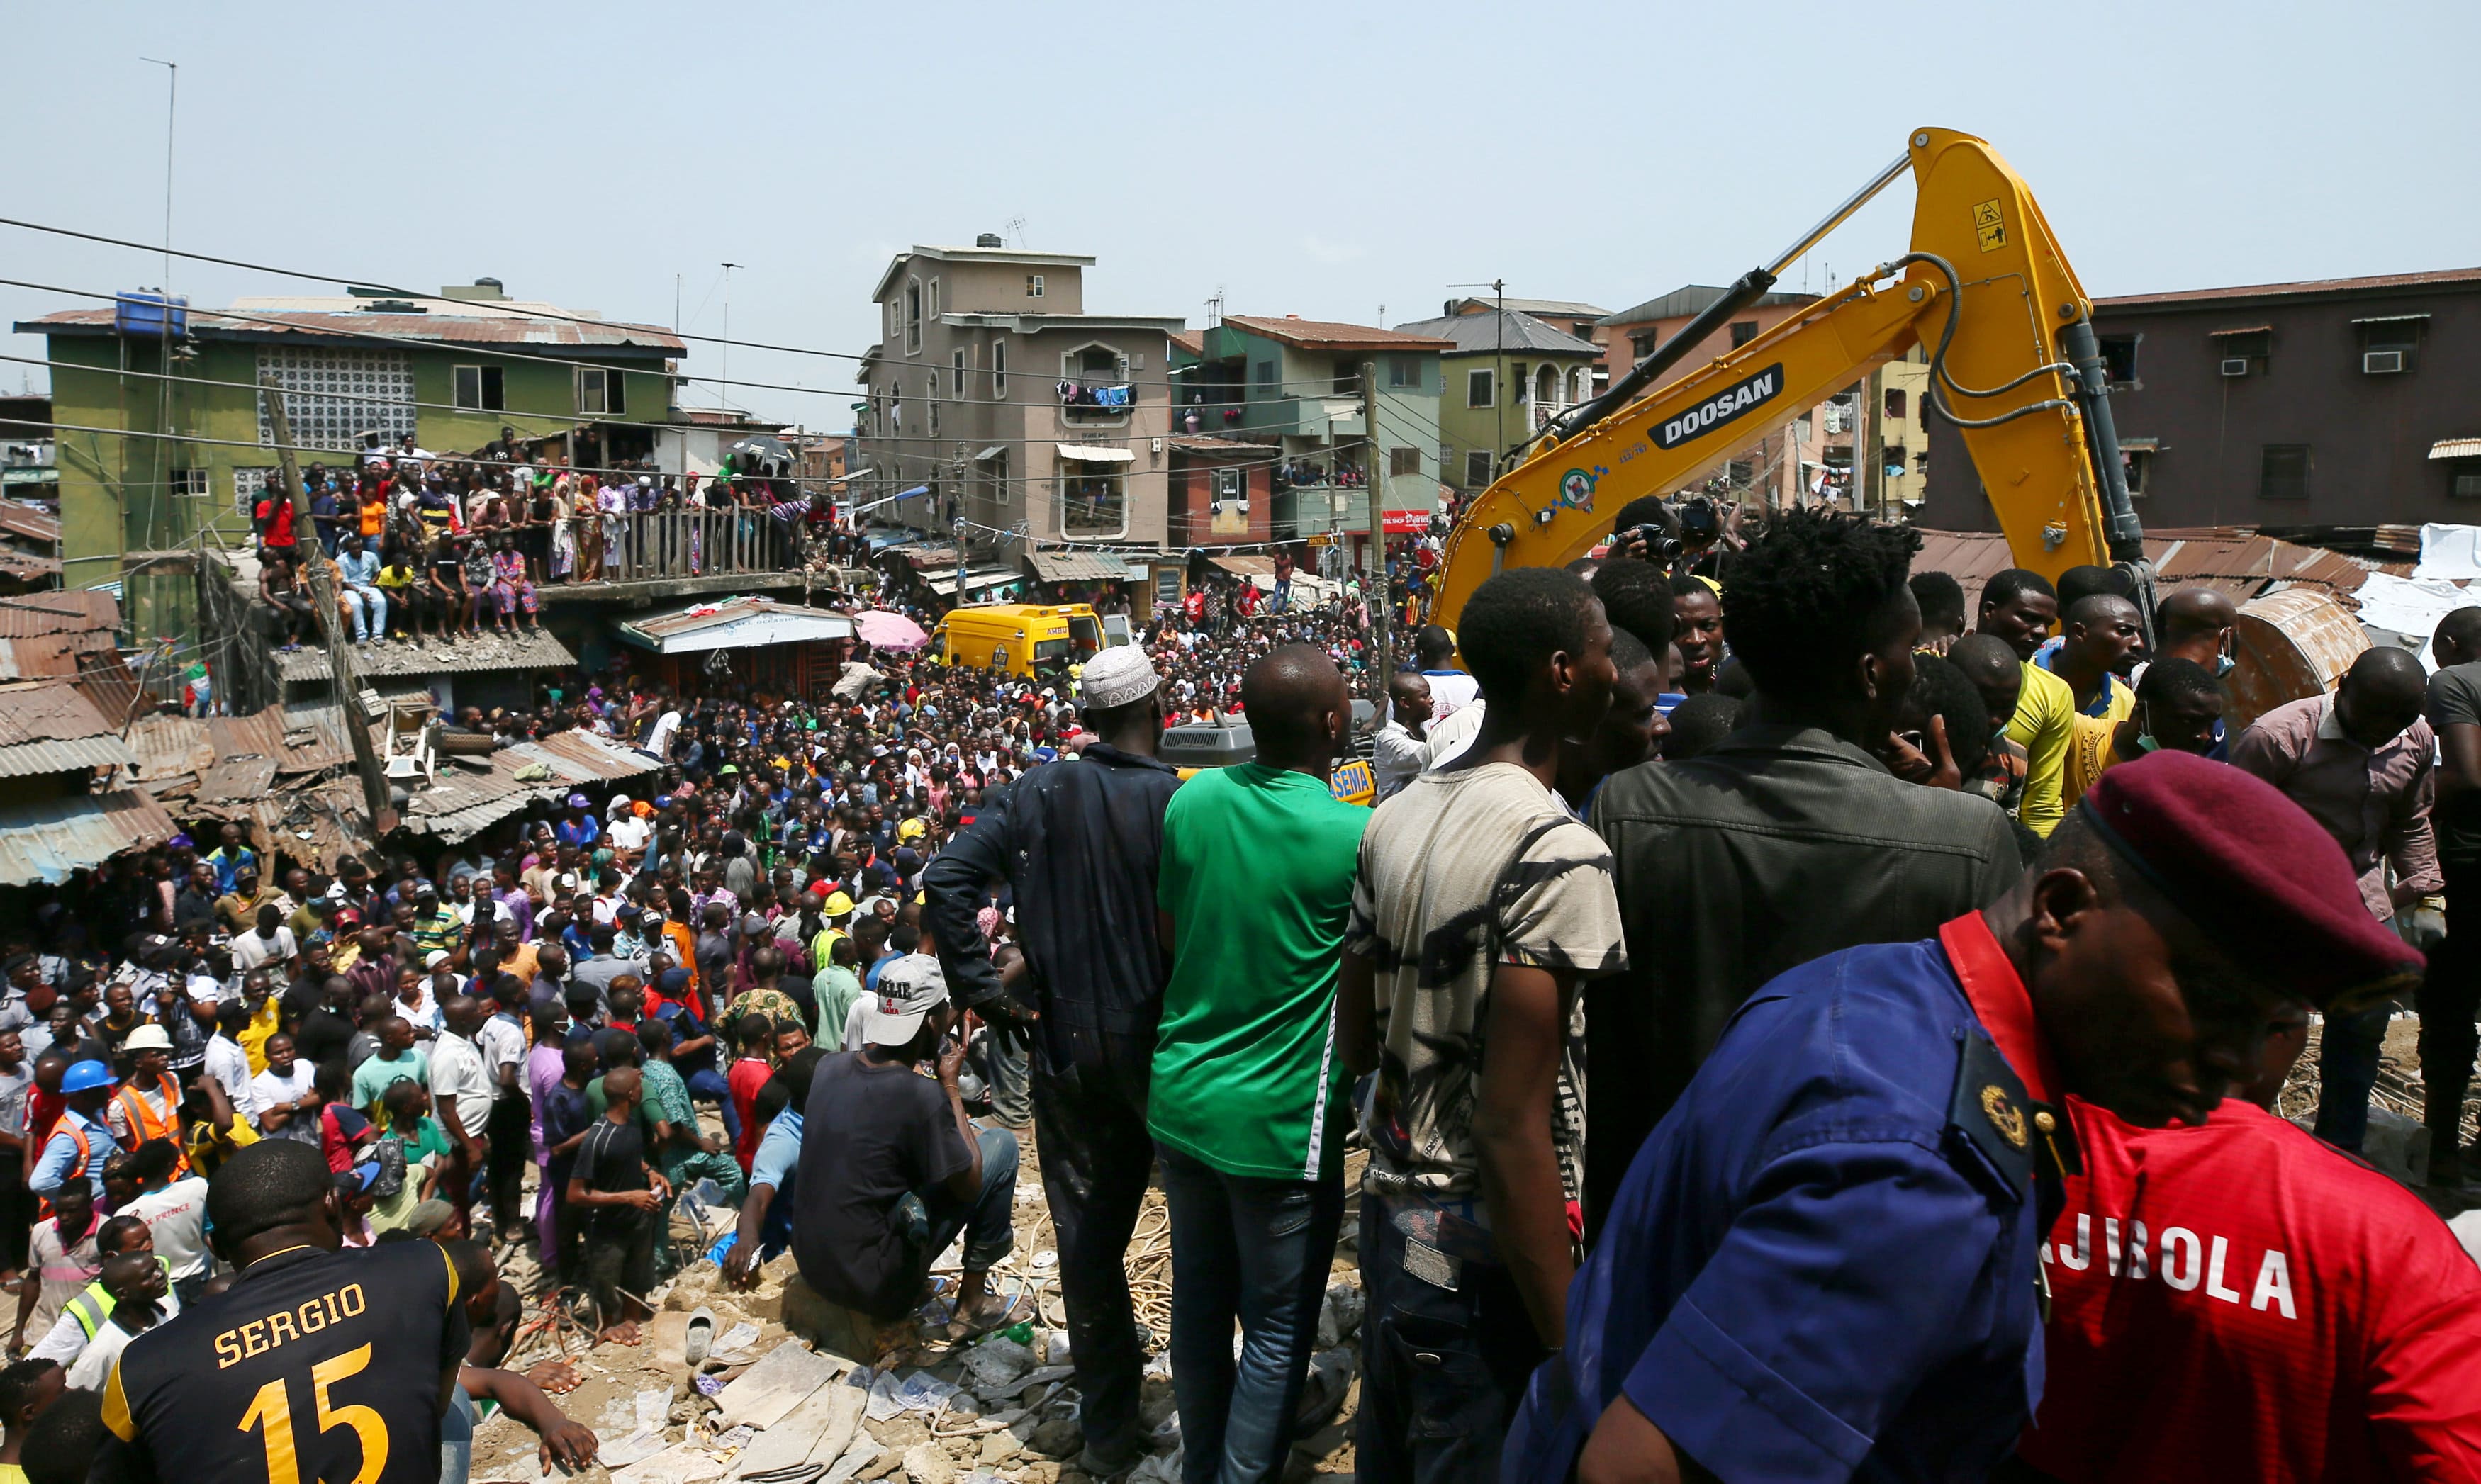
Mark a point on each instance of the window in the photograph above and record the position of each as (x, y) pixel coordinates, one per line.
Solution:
(1478, 390)
(1742, 332)
(995, 477)
(1404, 372)
(934, 408)
(2463, 481)
(478, 389)
(913, 314)
(2391, 344)
(334, 397)
(2118, 358)
(1403, 461)
(599, 392)
(1267, 378)
(956, 380)
(2283, 472)
(1228, 485)
(1478, 469)
(934, 298)
(1093, 504)
(1896, 403)
(189, 483)
(1348, 377)
(1739, 472)
(2137, 463)
(1033, 285)
(2249, 348)
(999, 368)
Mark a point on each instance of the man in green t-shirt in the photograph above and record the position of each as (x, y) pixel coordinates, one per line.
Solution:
(1254, 892)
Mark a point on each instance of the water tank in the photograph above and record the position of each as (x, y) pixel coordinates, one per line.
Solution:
(990, 240)
(142, 312)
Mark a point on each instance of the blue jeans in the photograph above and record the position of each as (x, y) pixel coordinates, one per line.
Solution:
(1256, 1250)
(1089, 1108)
(2347, 1068)
(708, 1084)
(1441, 1369)
(929, 1218)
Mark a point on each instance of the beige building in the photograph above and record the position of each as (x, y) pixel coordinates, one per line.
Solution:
(994, 392)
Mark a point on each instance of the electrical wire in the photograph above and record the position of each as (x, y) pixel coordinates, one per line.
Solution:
(382, 290)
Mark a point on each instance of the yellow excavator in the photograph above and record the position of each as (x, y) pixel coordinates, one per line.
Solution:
(2014, 366)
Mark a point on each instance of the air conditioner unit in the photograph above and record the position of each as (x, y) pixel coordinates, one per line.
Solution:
(2235, 365)
(2381, 362)
(1242, 506)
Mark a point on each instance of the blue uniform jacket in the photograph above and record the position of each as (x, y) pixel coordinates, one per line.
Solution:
(1818, 1267)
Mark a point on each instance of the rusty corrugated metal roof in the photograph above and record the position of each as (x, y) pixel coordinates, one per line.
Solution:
(2439, 277)
(51, 656)
(295, 746)
(24, 520)
(1329, 334)
(484, 652)
(2241, 563)
(444, 327)
(170, 749)
(71, 611)
(47, 841)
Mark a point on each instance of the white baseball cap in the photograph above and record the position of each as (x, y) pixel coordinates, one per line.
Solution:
(908, 989)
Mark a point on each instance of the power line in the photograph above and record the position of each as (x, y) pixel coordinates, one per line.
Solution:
(538, 314)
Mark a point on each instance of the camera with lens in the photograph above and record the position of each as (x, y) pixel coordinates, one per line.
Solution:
(1660, 545)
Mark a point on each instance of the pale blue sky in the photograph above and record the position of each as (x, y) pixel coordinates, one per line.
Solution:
(1322, 160)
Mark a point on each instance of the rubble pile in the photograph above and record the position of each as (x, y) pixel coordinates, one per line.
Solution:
(788, 1389)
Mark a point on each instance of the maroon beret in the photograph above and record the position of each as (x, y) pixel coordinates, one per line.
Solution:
(2253, 872)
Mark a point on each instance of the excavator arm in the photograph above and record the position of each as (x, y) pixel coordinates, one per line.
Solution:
(2013, 365)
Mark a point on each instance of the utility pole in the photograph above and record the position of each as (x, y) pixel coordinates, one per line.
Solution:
(727, 332)
(340, 648)
(1373, 487)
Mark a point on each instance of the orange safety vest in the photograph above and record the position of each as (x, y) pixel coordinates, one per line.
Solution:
(86, 1153)
(144, 1126)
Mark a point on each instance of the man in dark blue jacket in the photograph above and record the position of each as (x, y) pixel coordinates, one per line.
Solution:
(1078, 844)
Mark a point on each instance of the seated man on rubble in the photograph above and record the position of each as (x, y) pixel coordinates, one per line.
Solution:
(906, 1170)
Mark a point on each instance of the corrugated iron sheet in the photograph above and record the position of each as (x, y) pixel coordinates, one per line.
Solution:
(24, 520)
(446, 325)
(296, 744)
(585, 757)
(48, 711)
(237, 778)
(169, 747)
(488, 652)
(2455, 447)
(50, 656)
(74, 610)
(1077, 567)
(464, 803)
(2240, 563)
(47, 841)
(64, 755)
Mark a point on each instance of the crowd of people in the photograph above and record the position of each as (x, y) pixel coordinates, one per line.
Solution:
(1795, 1030)
(426, 546)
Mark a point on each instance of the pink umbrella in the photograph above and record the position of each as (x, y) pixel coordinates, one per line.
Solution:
(890, 630)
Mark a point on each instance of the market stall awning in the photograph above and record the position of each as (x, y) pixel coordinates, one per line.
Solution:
(993, 452)
(735, 623)
(48, 840)
(2455, 447)
(1095, 453)
(1078, 566)
(976, 580)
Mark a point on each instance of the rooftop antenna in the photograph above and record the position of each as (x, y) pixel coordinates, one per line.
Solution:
(1016, 231)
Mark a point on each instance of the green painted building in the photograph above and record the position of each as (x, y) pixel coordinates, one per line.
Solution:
(1507, 375)
(450, 372)
(1297, 383)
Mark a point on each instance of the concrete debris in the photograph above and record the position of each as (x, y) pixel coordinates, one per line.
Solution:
(925, 1464)
(782, 1380)
(996, 1362)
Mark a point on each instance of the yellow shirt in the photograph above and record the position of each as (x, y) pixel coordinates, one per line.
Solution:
(2045, 711)
(253, 1042)
(2089, 753)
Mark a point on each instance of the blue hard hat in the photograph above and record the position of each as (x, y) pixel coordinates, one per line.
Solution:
(84, 1075)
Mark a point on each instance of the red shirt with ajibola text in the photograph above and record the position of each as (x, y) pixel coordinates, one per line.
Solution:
(2240, 1301)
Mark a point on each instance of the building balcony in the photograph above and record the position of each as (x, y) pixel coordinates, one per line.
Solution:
(671, 552)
